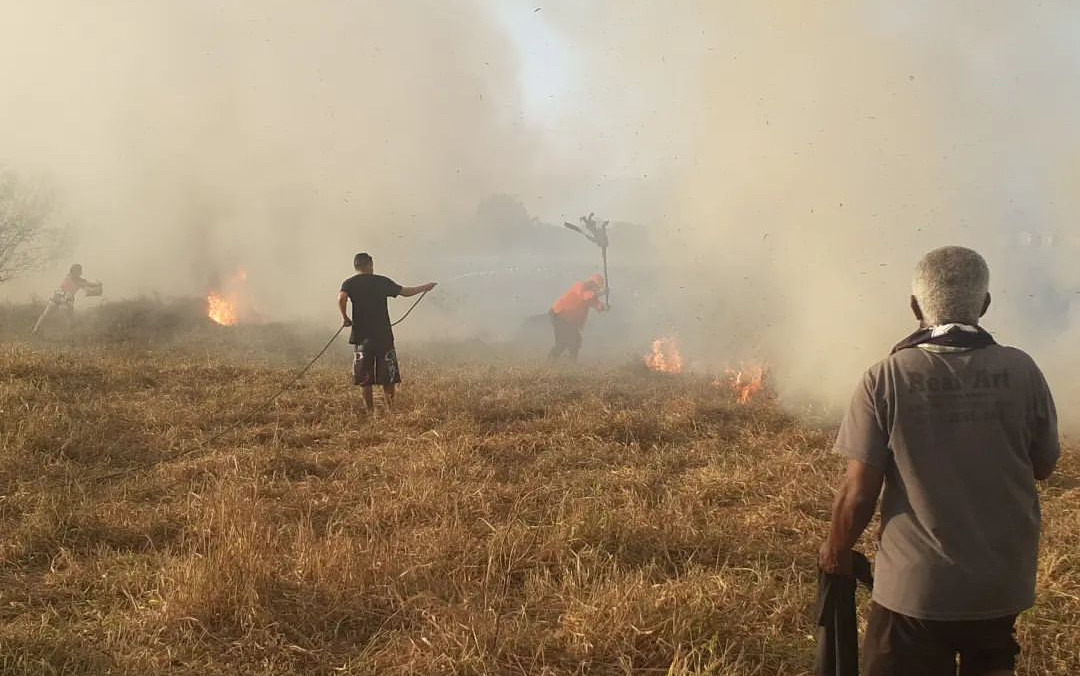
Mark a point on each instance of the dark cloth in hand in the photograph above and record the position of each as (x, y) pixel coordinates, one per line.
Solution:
(838, 631)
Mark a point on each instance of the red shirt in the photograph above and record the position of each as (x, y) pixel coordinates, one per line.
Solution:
(70, 285)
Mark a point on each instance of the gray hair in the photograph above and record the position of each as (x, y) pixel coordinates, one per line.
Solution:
(950, 285)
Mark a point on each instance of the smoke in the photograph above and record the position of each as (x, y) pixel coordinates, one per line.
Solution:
(790, 161)
(811, 153)
(199, 136)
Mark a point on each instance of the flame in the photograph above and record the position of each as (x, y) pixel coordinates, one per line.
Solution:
(745, 383)
(219, 309)
(224, 305)
(665, 356)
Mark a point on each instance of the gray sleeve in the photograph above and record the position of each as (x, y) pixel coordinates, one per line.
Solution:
(1045, 443)
(862, 434)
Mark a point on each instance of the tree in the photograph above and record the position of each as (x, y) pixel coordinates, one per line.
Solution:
(28, 237)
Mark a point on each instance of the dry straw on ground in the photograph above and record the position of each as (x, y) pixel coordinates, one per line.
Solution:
(505, 520)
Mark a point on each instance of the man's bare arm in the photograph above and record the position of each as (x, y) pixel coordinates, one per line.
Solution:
(342, 303)
(852, 511)
(407, 291)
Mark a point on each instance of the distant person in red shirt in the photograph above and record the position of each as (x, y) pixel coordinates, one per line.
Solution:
(63, 299)
(569, 313)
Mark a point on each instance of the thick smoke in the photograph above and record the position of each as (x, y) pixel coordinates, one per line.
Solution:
(196, 137)
(815, 152)
(790, 162)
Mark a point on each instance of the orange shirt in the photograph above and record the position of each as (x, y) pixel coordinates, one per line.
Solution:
(575, 303)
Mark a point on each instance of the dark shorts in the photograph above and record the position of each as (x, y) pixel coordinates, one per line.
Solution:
(375, 367)
(567, 334)
(897, 645)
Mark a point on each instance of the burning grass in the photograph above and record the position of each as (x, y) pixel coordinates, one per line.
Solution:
(665, 356)
(507, 519)
(231, 303)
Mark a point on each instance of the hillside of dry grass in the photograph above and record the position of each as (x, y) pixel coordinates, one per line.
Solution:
(506, 519)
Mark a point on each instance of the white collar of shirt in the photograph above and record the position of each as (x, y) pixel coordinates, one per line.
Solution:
(942, 329)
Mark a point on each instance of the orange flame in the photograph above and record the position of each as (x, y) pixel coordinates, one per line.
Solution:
(219, 309)
(745, 383)
(665, 356)
(222, 306)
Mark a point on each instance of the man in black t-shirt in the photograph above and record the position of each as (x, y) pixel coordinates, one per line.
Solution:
(375, 360)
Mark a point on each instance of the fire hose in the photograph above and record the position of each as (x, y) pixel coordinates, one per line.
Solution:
(266, 403)
(269, 400)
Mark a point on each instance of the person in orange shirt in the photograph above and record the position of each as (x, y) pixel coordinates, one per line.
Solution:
(569, 313)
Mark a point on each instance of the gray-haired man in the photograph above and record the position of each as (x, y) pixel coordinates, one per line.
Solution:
(958, 429)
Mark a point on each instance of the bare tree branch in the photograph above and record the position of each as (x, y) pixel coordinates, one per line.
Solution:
(28, 237)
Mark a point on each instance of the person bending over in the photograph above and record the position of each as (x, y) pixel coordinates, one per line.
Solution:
(63, 299)
(569, 313)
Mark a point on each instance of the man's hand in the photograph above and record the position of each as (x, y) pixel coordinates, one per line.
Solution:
(346, 322)
(834, 562)
(852, 511)
(429, 286)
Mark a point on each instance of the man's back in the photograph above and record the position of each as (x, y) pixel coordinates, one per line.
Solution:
(959, 434)
(370, 316)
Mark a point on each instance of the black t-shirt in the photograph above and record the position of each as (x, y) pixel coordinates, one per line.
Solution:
(370, 318)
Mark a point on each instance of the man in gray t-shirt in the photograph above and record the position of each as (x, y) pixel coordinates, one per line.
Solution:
(957, 429)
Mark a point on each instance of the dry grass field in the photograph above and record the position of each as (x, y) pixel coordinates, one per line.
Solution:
(507, 519)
